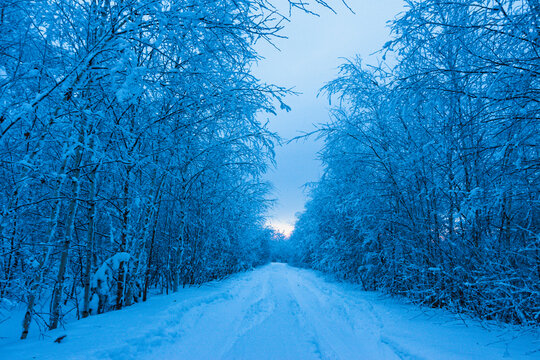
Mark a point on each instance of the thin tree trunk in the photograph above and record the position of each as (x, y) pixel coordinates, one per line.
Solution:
(89, 243)
(35, 288)
(123, 243)
(55, 314)
(150, 251)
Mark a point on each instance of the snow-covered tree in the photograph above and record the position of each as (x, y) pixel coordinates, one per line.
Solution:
(431, 186)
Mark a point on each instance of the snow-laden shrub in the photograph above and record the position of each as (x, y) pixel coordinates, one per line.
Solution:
(104, 283)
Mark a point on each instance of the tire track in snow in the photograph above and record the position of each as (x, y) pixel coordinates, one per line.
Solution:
(283, 331)
(336, 323)
(359, 312)
(177, 321)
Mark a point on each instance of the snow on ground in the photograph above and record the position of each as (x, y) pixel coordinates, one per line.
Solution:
(277, 312)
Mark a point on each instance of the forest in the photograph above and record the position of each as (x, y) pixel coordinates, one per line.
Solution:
(131, 153)
(133, 156)
(431, 185)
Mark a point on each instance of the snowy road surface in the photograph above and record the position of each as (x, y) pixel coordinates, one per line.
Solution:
(277, 312)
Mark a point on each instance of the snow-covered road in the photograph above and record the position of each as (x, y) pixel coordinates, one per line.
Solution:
(277, 312)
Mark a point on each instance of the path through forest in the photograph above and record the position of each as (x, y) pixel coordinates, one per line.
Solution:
(277, 312)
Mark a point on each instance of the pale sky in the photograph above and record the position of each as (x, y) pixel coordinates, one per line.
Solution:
(307, 59)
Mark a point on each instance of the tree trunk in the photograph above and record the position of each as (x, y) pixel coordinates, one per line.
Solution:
(35, 288)
(70, 223)
(150, 252)
(89, 244)
(123, 243)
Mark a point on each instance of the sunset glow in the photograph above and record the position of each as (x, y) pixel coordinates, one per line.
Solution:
(281, 226)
